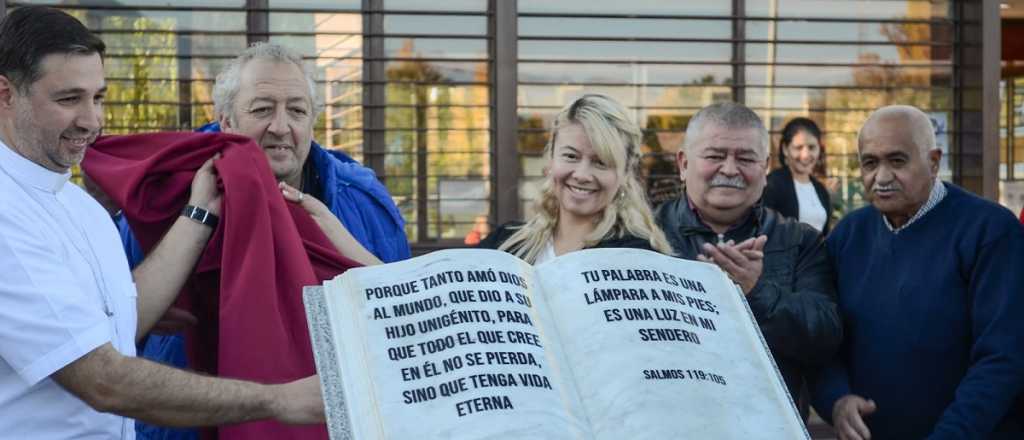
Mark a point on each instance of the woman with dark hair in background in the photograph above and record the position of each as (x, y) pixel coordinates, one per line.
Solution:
(792, 189)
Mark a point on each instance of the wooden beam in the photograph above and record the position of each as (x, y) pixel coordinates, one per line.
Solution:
(991, 67)
(504, 74)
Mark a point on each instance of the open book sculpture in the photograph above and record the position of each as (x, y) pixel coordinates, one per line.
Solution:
(596, 344)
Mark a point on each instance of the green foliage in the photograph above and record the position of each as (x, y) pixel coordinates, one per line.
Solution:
(143, 88)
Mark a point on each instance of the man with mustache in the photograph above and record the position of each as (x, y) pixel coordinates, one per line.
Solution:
(929, 279)
(70, 314)
(780, 264)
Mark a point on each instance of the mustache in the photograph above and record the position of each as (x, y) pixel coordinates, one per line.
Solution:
(891, 186)
(721, 181)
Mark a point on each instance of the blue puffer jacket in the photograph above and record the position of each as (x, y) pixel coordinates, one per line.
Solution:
(351, 191)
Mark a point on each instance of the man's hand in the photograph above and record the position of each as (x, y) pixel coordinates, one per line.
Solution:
(141, 389)
(299, 402)
(743, 262)
(848, 417)
(316, 209)
(205, 193)
(160, 277)
(335, 231)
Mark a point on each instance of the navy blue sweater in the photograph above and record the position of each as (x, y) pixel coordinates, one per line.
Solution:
(935, 321)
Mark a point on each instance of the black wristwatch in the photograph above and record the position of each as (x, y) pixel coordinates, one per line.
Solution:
(200, 215)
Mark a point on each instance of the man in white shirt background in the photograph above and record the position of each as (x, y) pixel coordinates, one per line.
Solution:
(69, 311)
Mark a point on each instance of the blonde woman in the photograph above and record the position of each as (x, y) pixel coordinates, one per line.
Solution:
(591, 196)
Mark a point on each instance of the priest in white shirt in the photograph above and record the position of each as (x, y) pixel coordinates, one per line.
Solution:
(70, 313)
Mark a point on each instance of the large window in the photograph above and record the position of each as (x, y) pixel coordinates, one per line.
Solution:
(436, 139)
(664, 66)
(161, 61)
(837, 61)
(412, 89)
(1011, 143)
(331, 42)
(832, 61)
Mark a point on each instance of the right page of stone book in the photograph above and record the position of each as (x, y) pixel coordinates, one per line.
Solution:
(662, 348)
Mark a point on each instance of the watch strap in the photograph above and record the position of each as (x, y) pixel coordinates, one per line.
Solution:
(200, 215)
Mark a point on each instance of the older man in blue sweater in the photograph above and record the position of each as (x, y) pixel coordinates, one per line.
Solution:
(930, 280)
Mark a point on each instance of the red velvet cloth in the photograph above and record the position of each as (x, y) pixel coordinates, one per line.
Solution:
(247, 287)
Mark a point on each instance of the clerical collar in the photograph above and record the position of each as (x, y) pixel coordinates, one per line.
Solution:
(29, 172)
(936, 196)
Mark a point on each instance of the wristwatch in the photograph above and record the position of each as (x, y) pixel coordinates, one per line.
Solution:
(200, 215)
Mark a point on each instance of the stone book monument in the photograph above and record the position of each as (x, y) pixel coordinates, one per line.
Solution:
(596, 344)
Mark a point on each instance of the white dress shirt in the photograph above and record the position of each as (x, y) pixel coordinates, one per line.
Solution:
(936, 195)
(811, 210)
(66, 289)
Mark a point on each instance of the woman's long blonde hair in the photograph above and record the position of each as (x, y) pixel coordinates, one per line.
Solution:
(616, 140)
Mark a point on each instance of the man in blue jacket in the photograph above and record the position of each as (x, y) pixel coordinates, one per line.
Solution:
(267, 94)
(929, 279)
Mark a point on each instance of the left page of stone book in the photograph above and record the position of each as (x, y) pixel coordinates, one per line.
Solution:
(452, 344)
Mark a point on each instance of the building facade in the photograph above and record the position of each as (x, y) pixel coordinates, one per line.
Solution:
(450, 101)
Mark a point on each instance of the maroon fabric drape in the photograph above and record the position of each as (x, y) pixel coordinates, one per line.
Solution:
(247, 286)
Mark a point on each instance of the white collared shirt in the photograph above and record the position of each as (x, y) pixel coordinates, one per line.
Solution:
(66, 289)
(811, 211)
(936, 195)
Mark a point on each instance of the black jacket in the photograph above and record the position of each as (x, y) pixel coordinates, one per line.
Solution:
(496, 238)
(794, 301)
(780, 195)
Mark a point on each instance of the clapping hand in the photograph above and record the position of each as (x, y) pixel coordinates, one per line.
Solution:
(743, 262)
